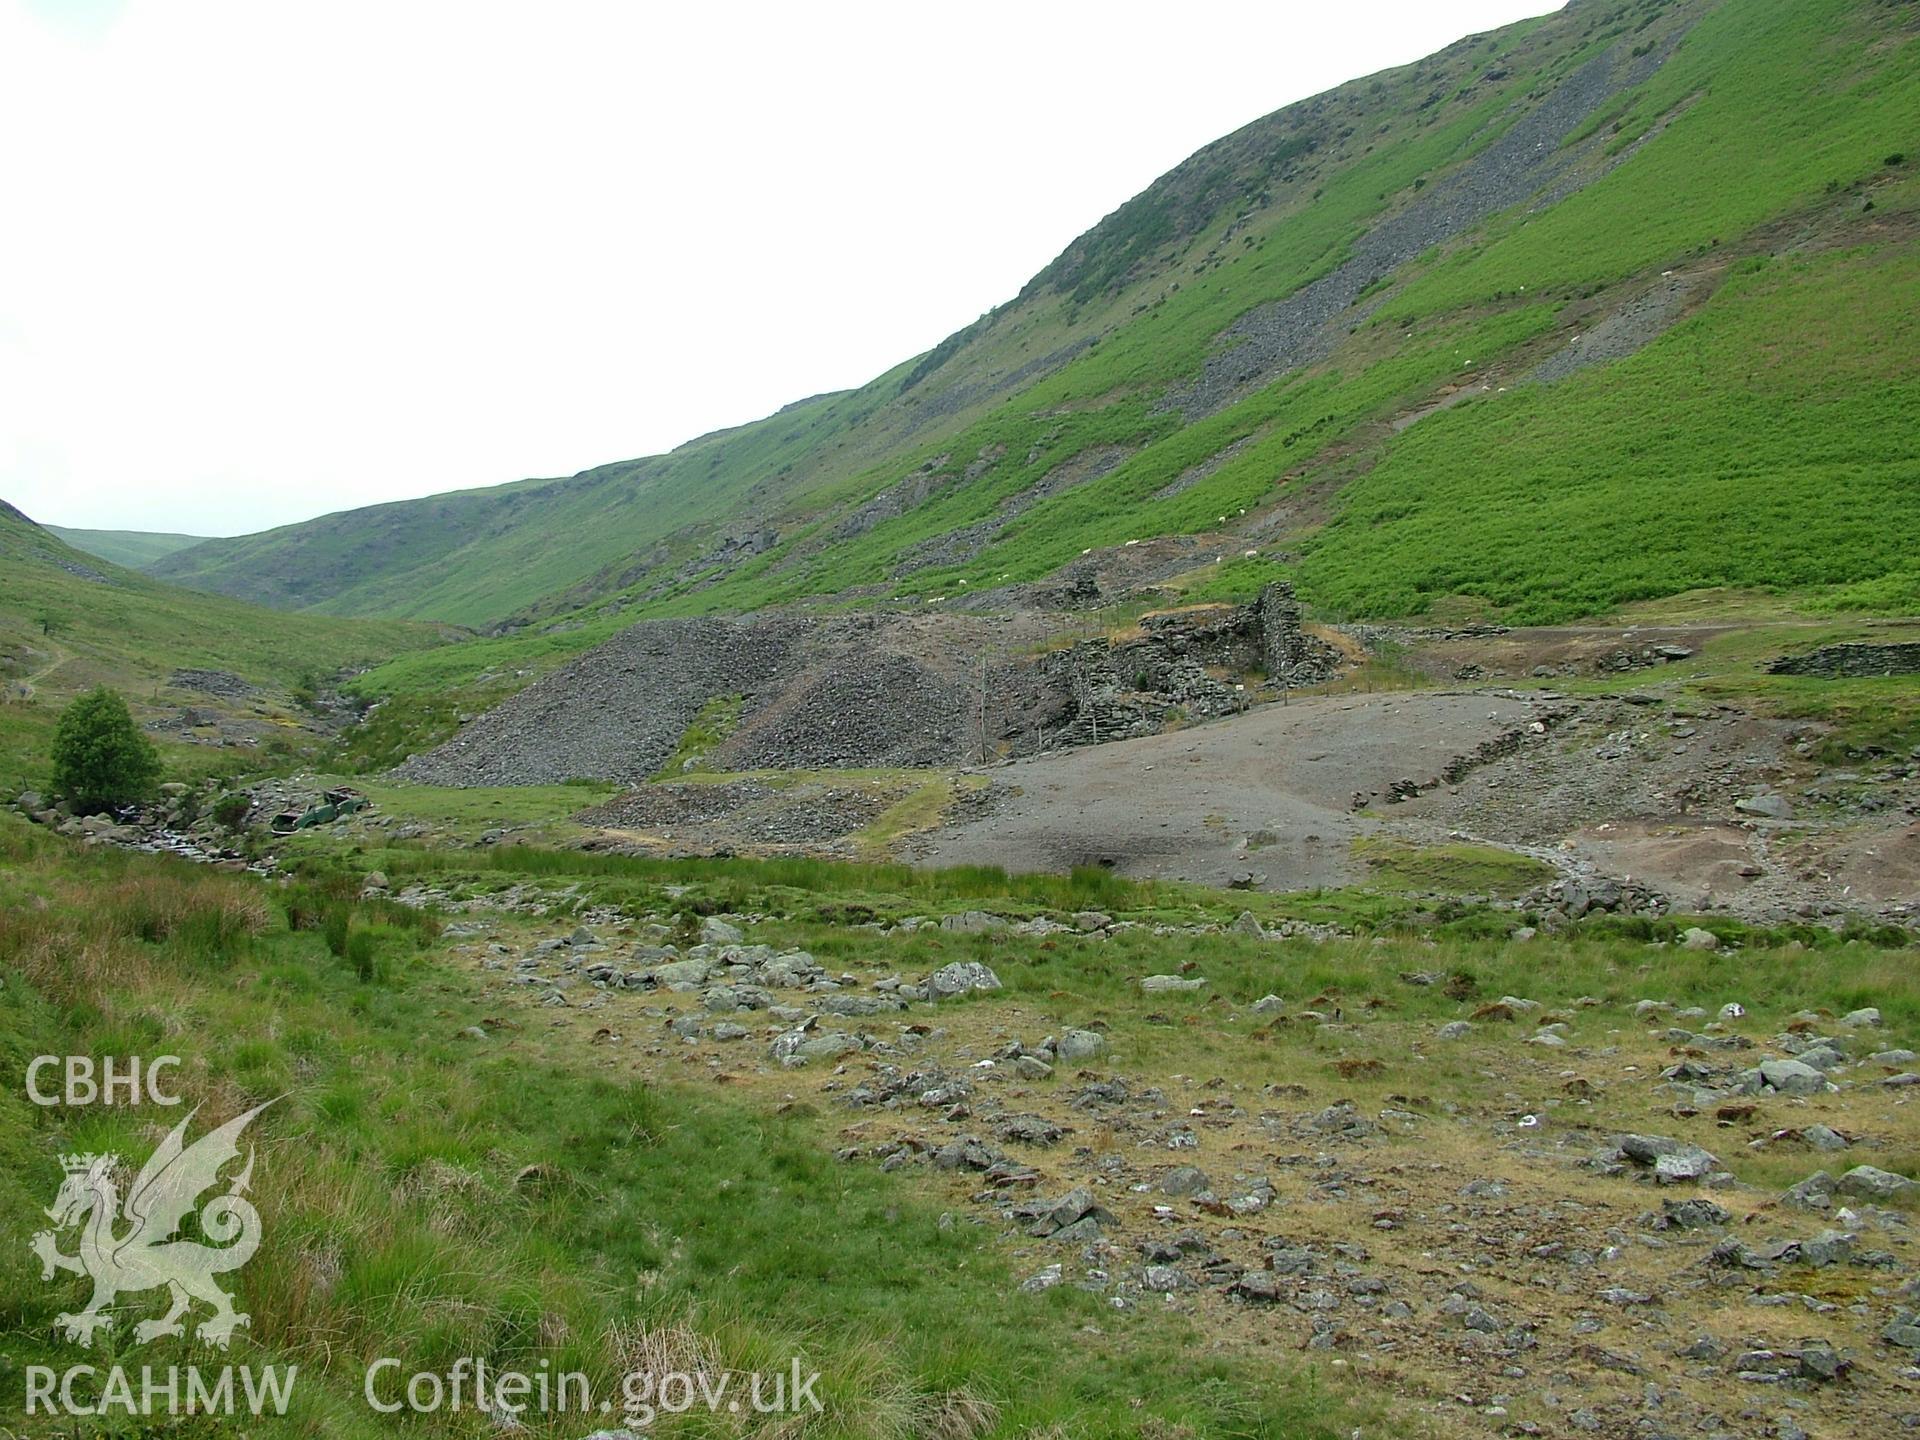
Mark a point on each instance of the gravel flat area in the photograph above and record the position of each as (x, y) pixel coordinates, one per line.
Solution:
(1270, 791)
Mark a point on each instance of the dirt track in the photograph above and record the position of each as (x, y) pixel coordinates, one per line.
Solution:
(1184, 805)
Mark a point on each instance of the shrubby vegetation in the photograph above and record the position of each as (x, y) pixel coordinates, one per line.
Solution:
(1761, 443)
(101, 761)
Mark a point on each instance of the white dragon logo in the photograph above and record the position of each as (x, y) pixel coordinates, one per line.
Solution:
(148, 1255)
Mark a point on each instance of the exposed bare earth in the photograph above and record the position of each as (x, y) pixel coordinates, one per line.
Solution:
(1269, 792)
(1712, 805)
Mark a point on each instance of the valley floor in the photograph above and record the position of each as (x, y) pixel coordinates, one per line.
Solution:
(1368, 1158)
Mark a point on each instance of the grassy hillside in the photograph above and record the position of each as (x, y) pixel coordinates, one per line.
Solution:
(133, 548)
(425, 1195)
(476, 556)
(1240, 353)
(1760, 443)
(70, 621)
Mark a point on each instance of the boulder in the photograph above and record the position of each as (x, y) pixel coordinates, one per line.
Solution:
(715, 931)
(1813, 1193)
(1044, 1279)
(1823, 1137)
(1690, 1215)
(803, 1046)
(1078, 1045)
(1342, 1117)
(1161, 984)
(1821, 1363)
(791, 971)
(972, 922)
(966, 1152)
(1075, 1215)
(959, 978)
(1030, 1130)
(857, 1005)
(1829, 1247)
(1866, 1182)
(1791, 1077)
(1261, 1287)
(1694, 938)
(1671, 1161)
(680, 974)
(1184, 1180)
(725, 999)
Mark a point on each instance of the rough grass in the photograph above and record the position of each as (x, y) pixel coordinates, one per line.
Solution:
(920, 808)
(1758, 444)
(727, 880)
(521, 1197)
(427, 1196)
(1452, 869)
(483, 805)
(1773, 106)
(705, 733)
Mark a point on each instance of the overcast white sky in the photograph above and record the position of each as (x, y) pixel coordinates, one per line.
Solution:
(262, 260)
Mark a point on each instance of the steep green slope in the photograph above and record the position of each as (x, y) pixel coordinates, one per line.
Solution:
(132, 548)
(1766, 442)
(1239, 354)
(1473, 313)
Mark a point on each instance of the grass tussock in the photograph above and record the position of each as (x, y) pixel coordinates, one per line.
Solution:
(1087, 887)
(431, 1196)
(214, 919)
